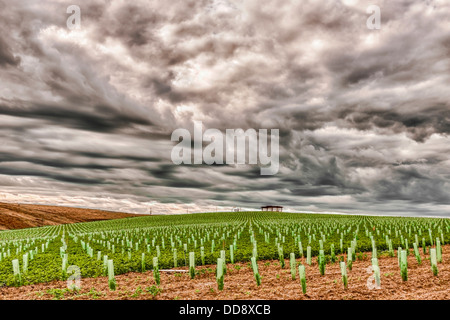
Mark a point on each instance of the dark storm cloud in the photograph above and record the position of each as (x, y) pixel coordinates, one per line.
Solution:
(99, 118)
(363, 114)
(96, 155)
(57, 163)
(6, 56)
(415, 186)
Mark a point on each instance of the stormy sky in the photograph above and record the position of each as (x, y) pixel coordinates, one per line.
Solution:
(86, 115)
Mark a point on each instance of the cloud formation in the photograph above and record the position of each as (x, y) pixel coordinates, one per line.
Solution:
(86, 115)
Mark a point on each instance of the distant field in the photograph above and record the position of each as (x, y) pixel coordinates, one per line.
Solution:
(20, 216)
(264, 255)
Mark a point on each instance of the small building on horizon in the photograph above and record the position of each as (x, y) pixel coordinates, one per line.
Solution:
(272, 208)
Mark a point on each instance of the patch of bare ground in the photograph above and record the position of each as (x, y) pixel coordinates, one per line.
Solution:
(20, 216)
(277, 283)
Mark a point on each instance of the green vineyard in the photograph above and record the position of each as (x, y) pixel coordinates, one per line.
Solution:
(108, 248)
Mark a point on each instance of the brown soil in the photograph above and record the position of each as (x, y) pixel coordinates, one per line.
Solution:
(20, 216)
(276, 283)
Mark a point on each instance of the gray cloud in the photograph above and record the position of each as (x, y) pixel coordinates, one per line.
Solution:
(86, 115)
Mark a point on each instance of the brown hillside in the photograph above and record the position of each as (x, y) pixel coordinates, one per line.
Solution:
(20, 216)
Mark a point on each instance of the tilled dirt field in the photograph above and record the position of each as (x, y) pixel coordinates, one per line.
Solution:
(19, 216)
(276, 283)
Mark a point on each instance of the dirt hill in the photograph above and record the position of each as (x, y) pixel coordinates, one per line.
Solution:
(19, 216)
